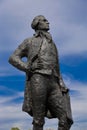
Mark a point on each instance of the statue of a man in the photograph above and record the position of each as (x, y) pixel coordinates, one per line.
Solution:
(45, 93)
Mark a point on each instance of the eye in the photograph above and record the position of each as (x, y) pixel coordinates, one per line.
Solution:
(44, 20)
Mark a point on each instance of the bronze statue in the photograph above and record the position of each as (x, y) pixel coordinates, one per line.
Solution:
(45, 93)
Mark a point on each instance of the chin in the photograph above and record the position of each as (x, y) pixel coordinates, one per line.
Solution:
(47, 29)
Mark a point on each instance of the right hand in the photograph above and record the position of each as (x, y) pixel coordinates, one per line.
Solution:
(36, 66)
(63, 87)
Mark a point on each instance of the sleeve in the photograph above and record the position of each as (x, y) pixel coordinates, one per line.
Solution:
(16, 58)
(61, 82)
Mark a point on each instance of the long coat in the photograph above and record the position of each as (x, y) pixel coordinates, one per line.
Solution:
(27, 104)
(30, 48)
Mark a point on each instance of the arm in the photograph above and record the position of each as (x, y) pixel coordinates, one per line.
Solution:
(16, 58)
(60, 79)
(63, 87)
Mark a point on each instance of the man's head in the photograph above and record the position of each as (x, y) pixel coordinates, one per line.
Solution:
(40, 23)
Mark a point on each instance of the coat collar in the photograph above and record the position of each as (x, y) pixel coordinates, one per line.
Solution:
(42, 34)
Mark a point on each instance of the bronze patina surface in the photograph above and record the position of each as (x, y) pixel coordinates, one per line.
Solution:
(45, 92)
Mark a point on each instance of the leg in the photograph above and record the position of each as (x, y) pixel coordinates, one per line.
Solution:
(66, 125)
(38, 91)
(57, 106)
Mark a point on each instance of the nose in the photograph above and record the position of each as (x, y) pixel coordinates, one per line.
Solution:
(47, 22)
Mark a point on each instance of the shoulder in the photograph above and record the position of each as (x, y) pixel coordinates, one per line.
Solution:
(31, 39)
(28, 40)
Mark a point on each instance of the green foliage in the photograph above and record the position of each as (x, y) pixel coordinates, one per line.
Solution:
(15, 128)
(30, 129)
(49, 129)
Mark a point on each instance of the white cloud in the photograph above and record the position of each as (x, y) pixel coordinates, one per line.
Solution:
(15, 16)
(7, 99)
(75, 41)
(11, 114)
(63, 16)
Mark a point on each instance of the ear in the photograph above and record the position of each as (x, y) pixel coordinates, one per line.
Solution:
(34, 23)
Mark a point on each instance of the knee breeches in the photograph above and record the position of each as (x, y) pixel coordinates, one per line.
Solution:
(46, 94)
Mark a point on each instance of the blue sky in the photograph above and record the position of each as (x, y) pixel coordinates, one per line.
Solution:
(68, 26)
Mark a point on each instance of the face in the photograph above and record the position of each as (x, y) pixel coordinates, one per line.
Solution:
(43, 24)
